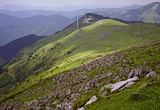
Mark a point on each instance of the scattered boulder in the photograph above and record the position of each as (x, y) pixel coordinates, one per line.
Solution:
(27, 103)
(122, 84)
(102, 89)
(158, 67)
(118, 86)
(138, 72)
(93, 99)
(152, 74)
(82, 108)
(131, 75)
(104, 94)
(49, 108)
(64, 106)
(68, 91)
(146, 85)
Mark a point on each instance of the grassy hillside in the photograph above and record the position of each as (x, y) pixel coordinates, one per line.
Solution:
(67, 50)
(10, 50)
(148, 13)
(86, 81)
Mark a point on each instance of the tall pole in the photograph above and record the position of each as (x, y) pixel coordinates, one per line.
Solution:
(77, 21)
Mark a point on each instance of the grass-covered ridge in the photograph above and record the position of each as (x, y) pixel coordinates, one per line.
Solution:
(67, 50)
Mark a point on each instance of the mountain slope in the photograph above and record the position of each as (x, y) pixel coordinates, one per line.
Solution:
(64, 51)
(10, 50)
(148, 13)
(12, 28)
(73, 88)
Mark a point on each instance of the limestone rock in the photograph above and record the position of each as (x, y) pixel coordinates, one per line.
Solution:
(82, 108)
(122, 84)
(93, 99)
(104, 94)
(152, 74)
(158, 67)
(49, 108)
(118, 86)
(146, 85)
(64, 106)
(102, 89)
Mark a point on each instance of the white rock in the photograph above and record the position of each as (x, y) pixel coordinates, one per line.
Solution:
(135, 79)
(82, 108)
(121, 85)
(102, 89)
(93, 99)
(128, 85)
(118, 85)
(109, 85)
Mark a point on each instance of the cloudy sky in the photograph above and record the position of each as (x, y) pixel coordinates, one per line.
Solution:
(58, 3)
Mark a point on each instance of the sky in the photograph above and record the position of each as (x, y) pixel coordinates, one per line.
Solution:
(59, 3)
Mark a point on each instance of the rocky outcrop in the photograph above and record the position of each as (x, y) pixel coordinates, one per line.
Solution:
(122, 84)
(139, 72)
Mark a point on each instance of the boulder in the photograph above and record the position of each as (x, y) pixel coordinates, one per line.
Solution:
(127, 85)
(104, 94)
(146, 85)
(118, 86)
(135, 79)
(28, 103)
(49, 108)
(102, 89)
(122, 84)
(158, 67)
(82, 108)
(93, 99)
(138, 72)
(64, 106)
(131, 74)
(152, 74)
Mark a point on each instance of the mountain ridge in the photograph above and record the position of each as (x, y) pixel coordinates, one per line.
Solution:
(13, 28)
(148, 13)
(10, 50)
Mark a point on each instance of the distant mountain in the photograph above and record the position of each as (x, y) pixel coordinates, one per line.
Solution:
(8, 20)
(148, 13)
(12, 28)
(70, 14)
(10, 50)
(63, 8)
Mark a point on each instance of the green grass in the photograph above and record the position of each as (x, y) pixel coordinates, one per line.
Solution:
(148, 99)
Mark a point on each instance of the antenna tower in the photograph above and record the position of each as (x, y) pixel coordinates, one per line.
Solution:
(77, 21)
